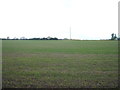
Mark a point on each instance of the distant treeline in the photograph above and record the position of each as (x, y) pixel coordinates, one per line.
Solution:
(50, 38)
(113, 37)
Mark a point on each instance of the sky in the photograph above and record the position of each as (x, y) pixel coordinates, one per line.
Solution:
(88, 19)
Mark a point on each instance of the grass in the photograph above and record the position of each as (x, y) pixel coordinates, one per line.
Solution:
(60, 64)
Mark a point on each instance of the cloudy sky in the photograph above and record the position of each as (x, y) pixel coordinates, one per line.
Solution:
(88, 19)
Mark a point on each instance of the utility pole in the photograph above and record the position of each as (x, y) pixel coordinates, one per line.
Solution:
(70, 32)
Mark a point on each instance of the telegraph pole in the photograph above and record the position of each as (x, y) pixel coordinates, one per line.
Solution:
(70, 32)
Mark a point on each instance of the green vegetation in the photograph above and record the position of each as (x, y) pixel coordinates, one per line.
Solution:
(61, 64)
(114, 37)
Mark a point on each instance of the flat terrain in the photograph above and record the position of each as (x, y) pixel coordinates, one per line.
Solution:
(59, 64)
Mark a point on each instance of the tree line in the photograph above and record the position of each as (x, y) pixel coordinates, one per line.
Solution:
(23, 38)
(113, 37)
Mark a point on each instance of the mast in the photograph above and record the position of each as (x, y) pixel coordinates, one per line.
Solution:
(70, 32)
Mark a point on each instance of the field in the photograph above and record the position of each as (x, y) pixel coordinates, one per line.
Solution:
(59, 64)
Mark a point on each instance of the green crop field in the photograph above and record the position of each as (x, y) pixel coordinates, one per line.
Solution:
(59, 64)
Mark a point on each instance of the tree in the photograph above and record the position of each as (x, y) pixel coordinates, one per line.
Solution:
(8, 38)
(113, 36)
(49, 38)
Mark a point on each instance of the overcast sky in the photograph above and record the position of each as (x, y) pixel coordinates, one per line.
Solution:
(89, 19)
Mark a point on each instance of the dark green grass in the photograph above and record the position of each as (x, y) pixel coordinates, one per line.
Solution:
(65, 63)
